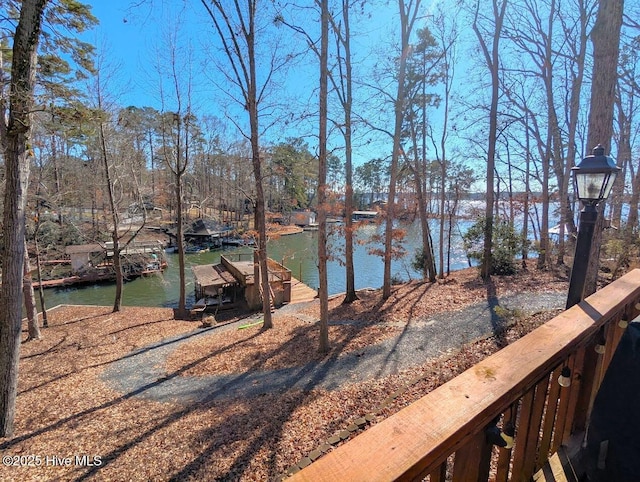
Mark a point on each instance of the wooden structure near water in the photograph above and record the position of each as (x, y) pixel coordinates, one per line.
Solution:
(93, 263)
(235, 281)
(365, 216)
(443, 435)
(300, 292)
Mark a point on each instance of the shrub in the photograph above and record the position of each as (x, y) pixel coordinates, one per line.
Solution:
(505, 246)
(418, 262)
(396, 280)
(49, 234)
(70, 234)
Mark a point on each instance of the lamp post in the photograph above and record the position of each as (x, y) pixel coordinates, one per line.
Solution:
(593, 179)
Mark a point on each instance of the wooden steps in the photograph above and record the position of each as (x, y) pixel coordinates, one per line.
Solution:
(300, 292)
(272, 298)
(557, 469)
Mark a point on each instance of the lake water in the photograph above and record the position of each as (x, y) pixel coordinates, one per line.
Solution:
(298, 252)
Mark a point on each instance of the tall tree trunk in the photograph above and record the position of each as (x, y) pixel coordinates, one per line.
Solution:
(512, 214)
(236, 26)
(350, 294)
(448, 59)
(606, 47)
(624, 155)
(492, 61)
(322, 180)
(525, 207)
(429, 265)
(16, 139)
(443, 199)
(418, 168)
(544, 255)
(152, 158)
(632, 220)
(452, 210)
(182, 300)
(408, 15)
(566, 207)
(30, 299)
(43, 304)
(260, 218)
(56, 173)
(117, 265)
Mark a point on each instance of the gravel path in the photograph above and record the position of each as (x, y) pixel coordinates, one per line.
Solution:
(142, 373)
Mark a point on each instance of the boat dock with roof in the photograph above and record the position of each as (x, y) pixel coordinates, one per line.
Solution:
(233, 282)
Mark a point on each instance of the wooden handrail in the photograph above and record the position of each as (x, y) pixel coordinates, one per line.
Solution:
(418, 439)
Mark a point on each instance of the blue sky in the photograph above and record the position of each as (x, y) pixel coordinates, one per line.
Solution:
(127, 38)
(134, 39)
(130, 38)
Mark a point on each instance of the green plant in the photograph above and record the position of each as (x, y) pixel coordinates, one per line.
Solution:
(49, 233)
(505, 246)
(418, 262)
(70, 234)
(396, 280)
(620, 253)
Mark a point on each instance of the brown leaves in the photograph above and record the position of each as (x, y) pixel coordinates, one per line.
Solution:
(64, 408)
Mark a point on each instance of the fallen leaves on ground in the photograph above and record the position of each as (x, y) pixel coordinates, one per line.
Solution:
(65, 411)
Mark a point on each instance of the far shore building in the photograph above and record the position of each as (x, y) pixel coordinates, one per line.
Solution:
(303, 218)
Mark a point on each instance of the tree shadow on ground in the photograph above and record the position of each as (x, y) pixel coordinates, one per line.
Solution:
(161, 344)
(229, 430)
(380, 307)
(238, 427)
(93, 315)
(419, 290)
(498, 324)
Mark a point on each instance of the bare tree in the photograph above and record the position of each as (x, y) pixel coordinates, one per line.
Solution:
(606, 48)
(33, 327)
(236, 27)
(43, 304)
(425, 70)
(576, 67)
(343, 86)
(322, 179)
(527, 190)
(537, 139)
(113, 207)
(492, 59)
(341, 79)
(176, 127)
(119, 182)
(15, 134)
(552, 36)
(627, 107)
(408, 12)
(446, 38)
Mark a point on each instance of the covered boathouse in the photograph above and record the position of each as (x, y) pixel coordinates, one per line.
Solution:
(234, 282)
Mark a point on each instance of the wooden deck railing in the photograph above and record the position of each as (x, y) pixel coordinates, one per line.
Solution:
(442, 435)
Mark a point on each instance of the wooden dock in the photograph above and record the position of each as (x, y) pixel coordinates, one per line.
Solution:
(57, 283)
(300, 292)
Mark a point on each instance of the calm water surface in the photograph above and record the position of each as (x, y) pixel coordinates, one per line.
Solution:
(297, 252)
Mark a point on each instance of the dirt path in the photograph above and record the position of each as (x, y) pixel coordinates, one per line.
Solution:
(142, 373)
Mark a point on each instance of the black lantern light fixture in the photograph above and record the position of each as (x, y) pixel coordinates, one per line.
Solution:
(593, 179)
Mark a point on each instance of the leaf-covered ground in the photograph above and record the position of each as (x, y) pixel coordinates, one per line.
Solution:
(71, 426)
